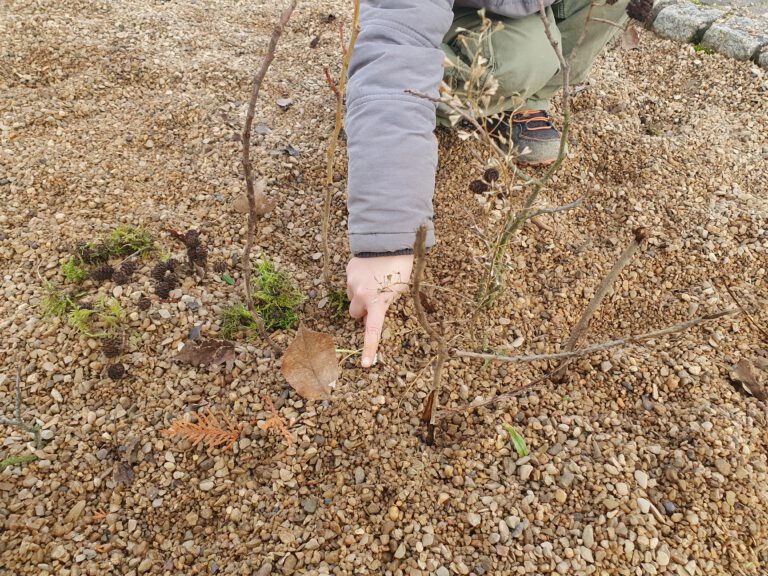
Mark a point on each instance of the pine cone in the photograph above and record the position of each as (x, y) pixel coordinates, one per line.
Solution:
(116, 371)
(198, 254)
(129, 267)
(192, 238)
(220, 267)
(144, 303)
(112, 347)
(641, 10)
(120, 277)
(491, 175)
(102, 273)
(478, 187)
(158, 272)
(163, 289)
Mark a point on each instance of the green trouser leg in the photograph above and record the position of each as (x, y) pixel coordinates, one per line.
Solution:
(518, 57)
(571, 16)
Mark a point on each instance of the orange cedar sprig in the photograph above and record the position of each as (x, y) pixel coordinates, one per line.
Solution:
(207, 430)
(276, 421)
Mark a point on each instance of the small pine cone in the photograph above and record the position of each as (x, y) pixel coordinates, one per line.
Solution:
(128, 267)
(144, 303)
(120, 277)
(84, 252)
(158, 272)
(478, 186)
(102, 273)
(198, 254)
(116, 371)
(192, 238)
(491, 175)
(641, 10)
(112, 347)
(163, 291)
(220, 267)
(101, 253)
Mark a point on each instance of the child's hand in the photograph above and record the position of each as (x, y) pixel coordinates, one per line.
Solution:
(372, 285)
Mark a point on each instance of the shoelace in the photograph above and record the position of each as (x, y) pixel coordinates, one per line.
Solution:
(539, 116)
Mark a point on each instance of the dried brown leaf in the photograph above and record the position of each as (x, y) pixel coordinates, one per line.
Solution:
(276, 421)
(264, 205)
(744, 373)
(630, 40)
(310, 365)
(427, 303)
(208, 430)
(208, 353)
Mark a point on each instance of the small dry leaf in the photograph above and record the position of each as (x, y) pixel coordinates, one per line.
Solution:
(208, 430)
(264, 205)
(310, 366)
(630, 40)
(208, 353)
(744, 374)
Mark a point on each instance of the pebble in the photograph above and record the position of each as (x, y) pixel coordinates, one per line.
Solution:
(394, 513)
(164, 314)
(206, 485)
(560, 495)
(400, 552)
(641, 477)
(644, 505)
(669, 507)
(265, 570)
(442, 571)
(525, 472)
(662, 555)
(723, 467)
(588, 536)
(504, 533)
(359, 475)
(474, 519)
(309, 505)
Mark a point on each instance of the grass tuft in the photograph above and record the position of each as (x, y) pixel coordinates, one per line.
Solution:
(338, 303)
(73, 270)
(16, 461)
(125, 240)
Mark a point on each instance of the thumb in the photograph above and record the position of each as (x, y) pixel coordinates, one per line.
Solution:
(374, 322)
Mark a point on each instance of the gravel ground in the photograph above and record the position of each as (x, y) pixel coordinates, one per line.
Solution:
(647, 460)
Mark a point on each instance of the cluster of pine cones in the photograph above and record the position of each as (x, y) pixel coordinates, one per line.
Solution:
(166, 280)
(121, 275)
(196, 250)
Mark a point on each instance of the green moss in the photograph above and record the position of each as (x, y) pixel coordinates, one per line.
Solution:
(126, 240)
(237, 320)
(704, 49)
(338, 303)
(81, 320)
(55, 302)
(275, 297)
(101, 321)
(73, 270)
(16, 461)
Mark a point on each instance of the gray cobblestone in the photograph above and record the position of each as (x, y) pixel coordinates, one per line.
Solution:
(762, 60)
(685, 22)
(737, 37)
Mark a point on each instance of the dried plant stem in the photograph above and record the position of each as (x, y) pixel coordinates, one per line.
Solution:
(605, 286)
(248, 167)
(625, 341)
(749, 317)
(18, 421)
(339, 91)
(419, 265)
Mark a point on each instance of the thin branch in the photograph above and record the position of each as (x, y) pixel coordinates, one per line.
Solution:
(339, 93)
(248, 167)
(557, 209)
(582, 325)
(433, 399)
(18, 422)
(609, 22)
(625, 341)
(750, 319)
(331, 83)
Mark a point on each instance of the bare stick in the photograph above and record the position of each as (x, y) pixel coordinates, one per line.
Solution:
(420, 263)
(18, 422)
(750, 319)
(625, 341)
(339, 92)
(582, 325)
(248, 167)
(557, 209)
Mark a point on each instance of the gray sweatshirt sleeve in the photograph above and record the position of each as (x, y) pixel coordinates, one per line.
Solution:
(391, 144)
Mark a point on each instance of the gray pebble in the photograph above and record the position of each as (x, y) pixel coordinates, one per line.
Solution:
(309, 505)
(669, 507)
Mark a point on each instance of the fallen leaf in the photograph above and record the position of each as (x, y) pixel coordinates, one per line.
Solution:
(426, 303)
(264, 205)
(208, 429)
(208, 353)
(517, 440)
(124, 474)
(310, 365)
(630, 40)
(228, 279)
(744, 373)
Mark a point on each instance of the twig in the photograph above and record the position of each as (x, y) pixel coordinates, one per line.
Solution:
(608, 22)
(583, 324)
(625, 341)
(750, 319)
(339, 92)
(331, 83)
(557, 209)
(248, 167)
(433, 399)
(18, 422)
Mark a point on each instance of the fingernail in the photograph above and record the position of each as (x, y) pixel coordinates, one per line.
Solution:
(366, 362)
